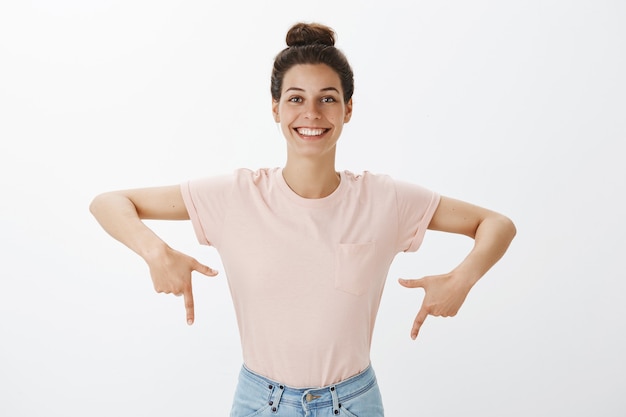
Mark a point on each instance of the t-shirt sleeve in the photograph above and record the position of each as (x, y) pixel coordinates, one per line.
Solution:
(206, 200)
(416, 207)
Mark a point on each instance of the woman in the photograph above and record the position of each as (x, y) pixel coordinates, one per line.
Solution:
(306, 249)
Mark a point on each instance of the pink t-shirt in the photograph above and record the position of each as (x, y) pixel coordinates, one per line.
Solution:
(306, 275)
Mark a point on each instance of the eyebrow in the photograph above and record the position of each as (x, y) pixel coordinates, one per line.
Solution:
(323, 89)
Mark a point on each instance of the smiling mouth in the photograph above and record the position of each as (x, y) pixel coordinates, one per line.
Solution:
(310, 132)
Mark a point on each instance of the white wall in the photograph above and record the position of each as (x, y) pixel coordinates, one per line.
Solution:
(517, 106)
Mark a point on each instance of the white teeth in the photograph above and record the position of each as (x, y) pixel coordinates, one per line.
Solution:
(305, 131)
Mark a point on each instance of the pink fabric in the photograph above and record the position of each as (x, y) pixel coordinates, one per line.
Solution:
(306, 275)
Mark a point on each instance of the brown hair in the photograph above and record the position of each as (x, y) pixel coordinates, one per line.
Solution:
(311, 43)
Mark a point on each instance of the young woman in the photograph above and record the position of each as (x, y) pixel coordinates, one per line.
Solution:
(306, 248)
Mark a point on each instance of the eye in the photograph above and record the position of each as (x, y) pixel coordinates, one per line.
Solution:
(328, 99)
(295, 99)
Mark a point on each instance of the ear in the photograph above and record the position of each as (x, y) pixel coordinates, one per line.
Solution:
(275, 111)
(348, 114)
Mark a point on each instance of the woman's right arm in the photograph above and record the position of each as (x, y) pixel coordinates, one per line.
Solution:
(120, 214)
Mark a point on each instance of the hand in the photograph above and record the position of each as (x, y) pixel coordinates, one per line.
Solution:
(444, 295)
(171, 274)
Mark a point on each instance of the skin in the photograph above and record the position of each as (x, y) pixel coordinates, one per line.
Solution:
(311, 112)
(312, 98)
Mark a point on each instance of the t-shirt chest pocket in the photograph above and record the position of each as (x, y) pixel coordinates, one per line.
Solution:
(354, 267)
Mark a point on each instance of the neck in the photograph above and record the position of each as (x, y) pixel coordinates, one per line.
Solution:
(311, 179)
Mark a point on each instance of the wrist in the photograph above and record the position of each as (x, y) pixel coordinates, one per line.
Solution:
(150, 247)
(466, 275)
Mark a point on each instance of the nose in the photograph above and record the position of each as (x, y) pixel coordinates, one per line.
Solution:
(311, 111)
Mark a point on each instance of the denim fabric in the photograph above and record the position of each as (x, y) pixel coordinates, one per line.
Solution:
(257, 396)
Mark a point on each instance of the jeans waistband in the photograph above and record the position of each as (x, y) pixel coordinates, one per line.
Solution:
(310, 398)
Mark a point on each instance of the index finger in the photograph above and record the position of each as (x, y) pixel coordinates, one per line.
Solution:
(419, 320)
(188, 296)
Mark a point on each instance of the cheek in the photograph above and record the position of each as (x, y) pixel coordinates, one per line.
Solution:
(332, 116)
(285, 125)
(336, 118)
(339, 115)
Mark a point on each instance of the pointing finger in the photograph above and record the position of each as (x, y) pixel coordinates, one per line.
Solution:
(188, 295)
(419, 320)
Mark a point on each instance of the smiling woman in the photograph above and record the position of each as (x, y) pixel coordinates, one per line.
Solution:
(312, 85)
(311, 113)
(307, 244)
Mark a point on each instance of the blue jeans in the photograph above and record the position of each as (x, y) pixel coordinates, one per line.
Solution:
(257, 396)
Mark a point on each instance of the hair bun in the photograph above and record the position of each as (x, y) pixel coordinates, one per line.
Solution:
(310, 34)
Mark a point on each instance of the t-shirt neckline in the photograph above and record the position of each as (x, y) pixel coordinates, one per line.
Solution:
(310, 202)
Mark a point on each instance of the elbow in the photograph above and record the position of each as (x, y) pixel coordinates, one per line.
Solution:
(499, 226)
(508, 227)
(495, 224)
(96, 204)
(112, 203)
(100, 203)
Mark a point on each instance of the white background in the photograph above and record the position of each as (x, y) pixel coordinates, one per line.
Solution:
(516, 106)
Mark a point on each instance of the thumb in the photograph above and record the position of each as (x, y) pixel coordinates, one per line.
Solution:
(204, 270)
(412, 283)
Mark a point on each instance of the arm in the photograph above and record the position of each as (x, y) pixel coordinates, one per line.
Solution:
(492, 234)
(120, 214)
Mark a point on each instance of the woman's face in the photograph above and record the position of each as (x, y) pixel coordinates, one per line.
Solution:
(311, 110)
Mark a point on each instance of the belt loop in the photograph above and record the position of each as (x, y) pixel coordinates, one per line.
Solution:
(276, 401)
(336, 404)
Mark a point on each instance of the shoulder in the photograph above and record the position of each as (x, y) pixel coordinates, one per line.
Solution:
(378, 185)
(367, 179)
(238, 176)
(257, 178)
(227, 187)
(255, 174)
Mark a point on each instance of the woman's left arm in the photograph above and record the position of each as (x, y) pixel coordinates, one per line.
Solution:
(492, 233)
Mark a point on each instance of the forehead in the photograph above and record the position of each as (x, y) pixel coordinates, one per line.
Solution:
(311, 77)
